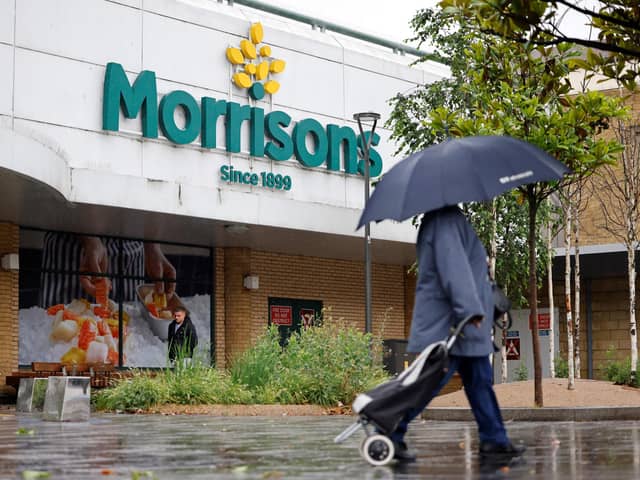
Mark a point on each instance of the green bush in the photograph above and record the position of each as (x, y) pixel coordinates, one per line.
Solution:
(255, 368)
(618, 371)
(561, 367)
(322, 365)
(197, 383)
(521, 372)
(141, 390)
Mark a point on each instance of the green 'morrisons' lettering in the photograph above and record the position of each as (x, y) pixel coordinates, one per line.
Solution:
(256, 135)
(211, 110)
(375, 160)
(168, 106)
(141, 98)
(236, 115)
(321, 147)
(309, 141)
(342, 139)
(281, 148)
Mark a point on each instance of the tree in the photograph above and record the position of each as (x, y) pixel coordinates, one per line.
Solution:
(538, 22)
(618, 190)
(550, 237)
(522, 91)
(502, 224)
(504, 227)
(519, 90)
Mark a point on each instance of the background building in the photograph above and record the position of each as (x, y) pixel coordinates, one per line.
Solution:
(247, 250)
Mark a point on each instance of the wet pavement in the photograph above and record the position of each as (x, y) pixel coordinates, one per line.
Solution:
(239, 448)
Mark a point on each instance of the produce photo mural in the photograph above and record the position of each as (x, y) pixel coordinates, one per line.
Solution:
(83, 299)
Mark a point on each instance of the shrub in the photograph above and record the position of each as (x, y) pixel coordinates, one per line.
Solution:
(197, 383)
(322, 365)
(618, 371)
(255, 368)
(561, 367)
(141, 390)
(521, 372)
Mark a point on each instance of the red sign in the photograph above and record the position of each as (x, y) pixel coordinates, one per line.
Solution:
(513, 348)
(307, 316)
(281, 315)
(544, 321)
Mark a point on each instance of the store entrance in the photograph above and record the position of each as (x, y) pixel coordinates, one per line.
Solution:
(291, 314)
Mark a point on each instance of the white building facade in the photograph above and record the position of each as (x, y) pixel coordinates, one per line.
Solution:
(127, 122)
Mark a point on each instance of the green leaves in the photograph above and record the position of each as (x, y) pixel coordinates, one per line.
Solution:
(324, 365)
(535, 22)
(34, 474)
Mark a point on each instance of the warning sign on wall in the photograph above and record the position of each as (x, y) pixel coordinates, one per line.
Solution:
(307, 316)
(544, 321)
(281, 315)
(513, 348)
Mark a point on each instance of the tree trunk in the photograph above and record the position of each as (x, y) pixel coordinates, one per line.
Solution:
(533, 300)
(631, 256)
(576, 283)
(503, 358)
(493, 256)
(552, 355)
(504, 370)
(567, 295)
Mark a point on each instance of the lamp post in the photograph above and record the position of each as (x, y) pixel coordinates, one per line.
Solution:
(367, 117)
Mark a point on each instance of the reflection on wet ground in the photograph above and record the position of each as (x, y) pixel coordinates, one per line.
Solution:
(198, 447)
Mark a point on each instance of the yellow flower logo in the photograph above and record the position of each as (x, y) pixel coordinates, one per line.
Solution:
(254, 64)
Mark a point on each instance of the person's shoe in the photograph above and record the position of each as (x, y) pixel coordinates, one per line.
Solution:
(501, 450)
(402, 453)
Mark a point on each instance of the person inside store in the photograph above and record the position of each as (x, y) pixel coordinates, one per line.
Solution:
(453, 286)
(182, 336)
(67, 252)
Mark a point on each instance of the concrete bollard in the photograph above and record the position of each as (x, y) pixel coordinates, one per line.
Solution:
(31, 394)
(67, 399)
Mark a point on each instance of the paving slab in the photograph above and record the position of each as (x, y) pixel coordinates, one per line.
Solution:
(285, 447)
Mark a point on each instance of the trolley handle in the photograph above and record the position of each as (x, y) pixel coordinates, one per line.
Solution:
(455, 331)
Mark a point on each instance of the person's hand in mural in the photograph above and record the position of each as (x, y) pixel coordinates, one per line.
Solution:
(95, 259)
(157, 266)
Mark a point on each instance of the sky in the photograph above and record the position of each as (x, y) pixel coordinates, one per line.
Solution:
(389, 19)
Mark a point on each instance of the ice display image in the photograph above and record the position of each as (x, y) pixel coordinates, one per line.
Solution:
(46, 337)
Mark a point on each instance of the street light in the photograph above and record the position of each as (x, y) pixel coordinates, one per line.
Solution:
(367, 117)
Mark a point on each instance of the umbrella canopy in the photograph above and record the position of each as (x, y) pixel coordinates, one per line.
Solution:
(470, 169)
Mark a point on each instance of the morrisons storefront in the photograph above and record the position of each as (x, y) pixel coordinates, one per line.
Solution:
(195, 152)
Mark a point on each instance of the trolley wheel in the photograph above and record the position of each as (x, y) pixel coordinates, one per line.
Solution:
(377, 450)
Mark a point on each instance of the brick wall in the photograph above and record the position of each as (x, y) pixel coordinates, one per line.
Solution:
(238, 326)
(9, 243)
(219, 302)
(592, 218)
(339, 284)
(410, 280)
(610, 322)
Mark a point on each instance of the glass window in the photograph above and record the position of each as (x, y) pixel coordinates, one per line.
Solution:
(86, 298)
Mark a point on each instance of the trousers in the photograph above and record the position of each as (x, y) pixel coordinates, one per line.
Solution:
(477, 379)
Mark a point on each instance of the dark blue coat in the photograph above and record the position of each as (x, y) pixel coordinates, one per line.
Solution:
(453, 284)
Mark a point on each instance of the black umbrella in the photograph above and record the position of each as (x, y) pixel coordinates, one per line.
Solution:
(471, 169)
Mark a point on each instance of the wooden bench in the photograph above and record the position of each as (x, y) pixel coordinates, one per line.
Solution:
(47, 368)
(101, 374)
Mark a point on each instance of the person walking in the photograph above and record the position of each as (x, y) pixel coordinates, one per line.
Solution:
(182, 337)
(453, 286)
